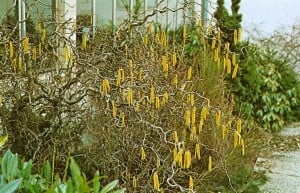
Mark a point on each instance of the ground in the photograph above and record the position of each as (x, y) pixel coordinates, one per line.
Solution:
(280, 160)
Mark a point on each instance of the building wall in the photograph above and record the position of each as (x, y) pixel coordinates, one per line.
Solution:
(105, 12)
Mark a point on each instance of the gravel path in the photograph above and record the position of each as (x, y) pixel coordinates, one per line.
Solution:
(282, 168)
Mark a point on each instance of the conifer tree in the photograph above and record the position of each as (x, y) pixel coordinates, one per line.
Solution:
(228, 23)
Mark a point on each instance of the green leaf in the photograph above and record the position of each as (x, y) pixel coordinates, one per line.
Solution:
(3, 140)
(69, 188)
(108, 187)
(12, 186)
(26, 169)
(120, 191)
(76, 174)
(47, 173)
(9, 165)
(96, 182)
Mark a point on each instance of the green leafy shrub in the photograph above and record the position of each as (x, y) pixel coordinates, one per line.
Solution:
(17, 176)
(266, 87)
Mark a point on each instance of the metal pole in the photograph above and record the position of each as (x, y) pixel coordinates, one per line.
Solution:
(21, 18)
(94, 17)
(114, 14)
(176, 15)
(145, 7)
(204, 10)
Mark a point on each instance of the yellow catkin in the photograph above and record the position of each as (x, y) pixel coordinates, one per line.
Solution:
(66, 53)
(152, 95)
(175, 137)
(33, 57)
(114, 109)
(187, 118)
(175, 154)
(188, 98)
(197, 151)
(157, 102)
(119, 76)
(219, 34)
(194, 111)
(224, 63)
(84, 41)
(179, 158)
(243, 146)
(210, 29)
(239, 126)
(175, 80)
(163, 39)
(40, 49)
(143, 154)
(126, 51)
(140, 74)
(137, 106)
(202, 39)
(134, 182)
(149, 29)
(43, 37)
(189, 73)
(192, 99)
(235, 139)
(227, 46)
(228, 65)
(123, 118)
(239, 33)
(219, 62)
(228, 124)
(223, 131)
(155, 181)
(174, 59)
(11, 50)
(146, 40)
(25, 43)
(14, 64)
(39, 26)
(199, 23)
(165, 98)
(157, 39)
(213, 43)
(131, 77)
(187, 159)
(209, 163)
(165, 65)
(127, 174)
(20, 64)
(218, 118)
(105, 86)
(235, 71)
(191, 183)
(233, 59)
(193, 133)
(201, 122)
(216, 55)
(204, 112)
(235, 36)
(129, 97)
(130, 64)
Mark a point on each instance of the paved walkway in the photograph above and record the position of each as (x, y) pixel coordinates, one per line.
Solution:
(282, 168)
